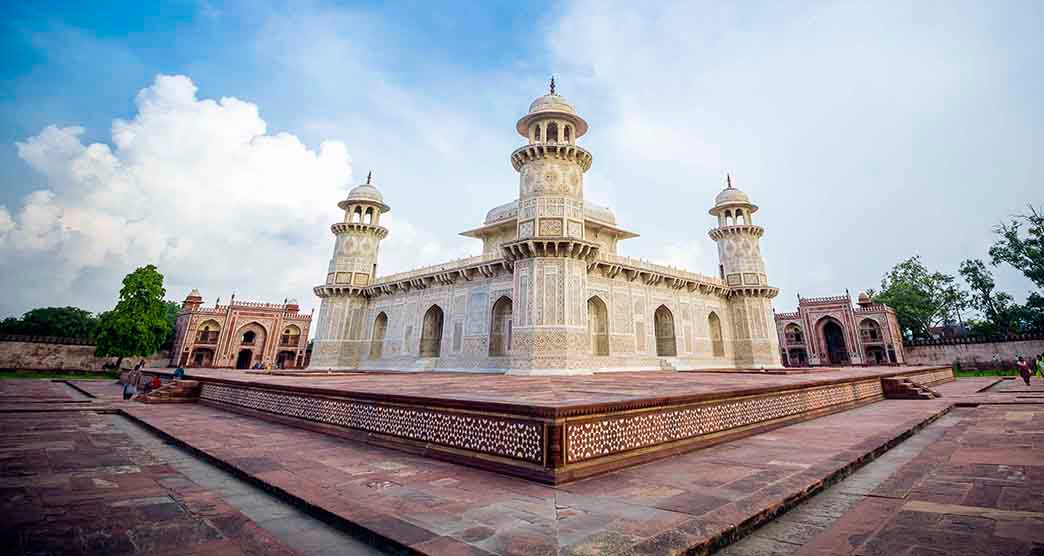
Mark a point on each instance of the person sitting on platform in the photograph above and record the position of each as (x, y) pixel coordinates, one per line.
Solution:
(179, 373)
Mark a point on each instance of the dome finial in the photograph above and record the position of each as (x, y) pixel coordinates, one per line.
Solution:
(369, 177)
(553, 85)
(728, 180)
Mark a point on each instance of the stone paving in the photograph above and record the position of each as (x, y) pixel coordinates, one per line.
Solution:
(691, 500)
(79, 482)
(75, 481)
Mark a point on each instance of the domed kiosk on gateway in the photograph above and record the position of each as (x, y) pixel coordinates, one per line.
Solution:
(550, 294)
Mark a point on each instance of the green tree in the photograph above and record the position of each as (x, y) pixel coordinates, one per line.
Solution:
(1024, 252)
(172, 309)
(921, 299)
(67, 322)
(138, 323)
(995, 306)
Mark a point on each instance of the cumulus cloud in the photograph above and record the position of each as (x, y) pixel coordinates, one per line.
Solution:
(196, 186)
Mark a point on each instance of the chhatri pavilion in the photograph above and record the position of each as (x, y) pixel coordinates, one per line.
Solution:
(550, 294)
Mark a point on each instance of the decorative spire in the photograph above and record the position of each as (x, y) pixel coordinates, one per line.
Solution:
(728, 180)
(369, 177)
(553, 85)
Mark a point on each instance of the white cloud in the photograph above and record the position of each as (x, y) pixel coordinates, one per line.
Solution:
(195, 186)
(864, 130)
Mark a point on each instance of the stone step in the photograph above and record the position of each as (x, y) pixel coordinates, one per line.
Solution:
(902, 388)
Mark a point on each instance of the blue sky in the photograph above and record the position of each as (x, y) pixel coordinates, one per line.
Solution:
(867, 132)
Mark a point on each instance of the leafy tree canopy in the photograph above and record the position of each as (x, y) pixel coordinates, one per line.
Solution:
(67, 322)
(172, 309)
(138, 323)
(996, 307)
(921, 299)
(1023, 251)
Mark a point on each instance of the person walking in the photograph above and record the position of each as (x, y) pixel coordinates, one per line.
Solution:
(1024, 369)
(1040, 365)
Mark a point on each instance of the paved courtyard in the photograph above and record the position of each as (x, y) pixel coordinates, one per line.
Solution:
(77, 478)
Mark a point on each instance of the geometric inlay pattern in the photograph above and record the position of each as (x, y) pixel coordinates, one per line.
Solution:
(593, 439)
(502, 437)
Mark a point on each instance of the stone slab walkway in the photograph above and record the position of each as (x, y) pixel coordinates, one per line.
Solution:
(77, 481)
(694, 500)
(70, 483)
(971, 483)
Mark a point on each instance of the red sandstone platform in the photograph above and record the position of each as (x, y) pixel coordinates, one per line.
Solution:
(550, 429)
(691, 503)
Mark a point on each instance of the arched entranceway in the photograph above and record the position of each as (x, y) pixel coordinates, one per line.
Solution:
(285, 359)
(244, 358)
(380, 328)
(500, 328)
(598, 326)
(666, 342)
(202, 357)
(714, 328)
(431, 333)
(834, 346)
(797, 357)
(876, 354)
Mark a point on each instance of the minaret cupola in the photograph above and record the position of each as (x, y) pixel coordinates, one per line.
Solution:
(551, 170)
(739, 250)
(354, 261)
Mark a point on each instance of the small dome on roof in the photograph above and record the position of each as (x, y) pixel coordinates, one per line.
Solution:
(551, 103)
(502, 212)
(864, 298)
(731, 195)
(365, 192)
(599, 213)
(194, 293)
(548, 106)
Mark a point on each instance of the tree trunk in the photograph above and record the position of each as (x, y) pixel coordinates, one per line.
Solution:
(118, 361)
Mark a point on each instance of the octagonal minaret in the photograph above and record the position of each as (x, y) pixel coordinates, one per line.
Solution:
(353, 266)
(755, 341)
(550, 253)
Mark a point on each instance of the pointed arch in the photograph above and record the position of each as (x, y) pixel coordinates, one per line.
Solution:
(536, 133)
(552, 132)
(598, 326)
(870, 330)
(717, 341)
(834, 341)
(663, 323)
(208, 331)
(500, 328)
(291, 336)
(380, 328)
(431, 332)
(252, 334)
(793, 335)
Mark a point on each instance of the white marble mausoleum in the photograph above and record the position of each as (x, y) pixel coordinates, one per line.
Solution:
(550, 293)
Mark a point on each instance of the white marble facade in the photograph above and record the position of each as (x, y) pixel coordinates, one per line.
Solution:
(549, 294)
